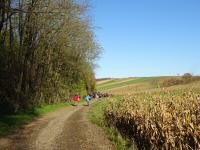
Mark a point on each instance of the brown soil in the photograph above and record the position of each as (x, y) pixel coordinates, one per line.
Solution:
(66, 129)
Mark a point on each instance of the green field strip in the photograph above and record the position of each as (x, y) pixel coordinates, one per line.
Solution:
(115, 81)
(134, 81)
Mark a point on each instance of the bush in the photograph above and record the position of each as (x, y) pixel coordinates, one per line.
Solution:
(185, 79)
(172, 81)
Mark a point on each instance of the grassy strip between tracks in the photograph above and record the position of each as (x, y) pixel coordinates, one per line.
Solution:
(10, 123)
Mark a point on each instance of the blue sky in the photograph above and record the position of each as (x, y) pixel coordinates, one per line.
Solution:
(147, 37)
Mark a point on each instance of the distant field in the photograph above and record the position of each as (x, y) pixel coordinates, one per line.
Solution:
(114, 80)
(137, 84)
(145, 82)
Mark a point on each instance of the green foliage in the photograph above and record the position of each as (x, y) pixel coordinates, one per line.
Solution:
(79, 88)
(48, 51)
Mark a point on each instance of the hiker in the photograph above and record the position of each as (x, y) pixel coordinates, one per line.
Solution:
(76, 99)
(96, 96)
(88, 98)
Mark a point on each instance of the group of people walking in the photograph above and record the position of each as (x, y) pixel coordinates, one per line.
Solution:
(89, 97)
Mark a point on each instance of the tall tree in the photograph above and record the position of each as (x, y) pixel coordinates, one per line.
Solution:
(48, 50)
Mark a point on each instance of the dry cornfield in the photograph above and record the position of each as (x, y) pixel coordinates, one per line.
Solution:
(164, 119)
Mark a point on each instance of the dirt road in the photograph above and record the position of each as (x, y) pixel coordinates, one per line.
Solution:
(66, 129)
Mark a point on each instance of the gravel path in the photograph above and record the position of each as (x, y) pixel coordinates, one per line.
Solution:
(66, 129)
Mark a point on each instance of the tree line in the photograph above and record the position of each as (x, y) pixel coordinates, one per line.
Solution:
(48, 52)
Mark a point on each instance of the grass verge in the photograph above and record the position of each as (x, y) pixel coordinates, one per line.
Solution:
(96, 116)
(12, 122)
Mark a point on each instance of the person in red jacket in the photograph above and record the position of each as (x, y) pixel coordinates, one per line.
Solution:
(76, 99)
